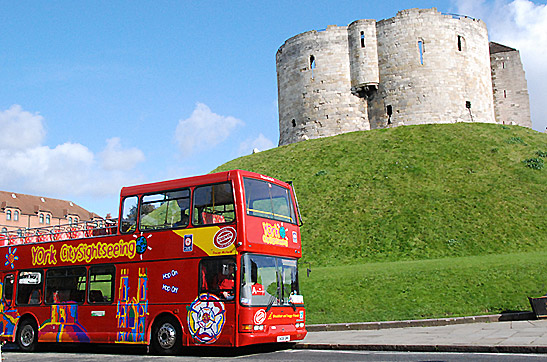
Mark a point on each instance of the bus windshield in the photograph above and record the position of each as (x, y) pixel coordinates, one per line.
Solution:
(267, 200)
(269, 281)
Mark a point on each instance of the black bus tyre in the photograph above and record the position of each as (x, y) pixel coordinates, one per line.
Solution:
(166, 336)
(27, 336)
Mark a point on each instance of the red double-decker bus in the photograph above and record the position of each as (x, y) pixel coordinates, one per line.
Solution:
(208, 260)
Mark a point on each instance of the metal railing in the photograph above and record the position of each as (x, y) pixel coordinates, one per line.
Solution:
(83, 229)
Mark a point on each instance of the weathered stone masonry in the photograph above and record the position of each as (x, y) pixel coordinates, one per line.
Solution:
(418, 67)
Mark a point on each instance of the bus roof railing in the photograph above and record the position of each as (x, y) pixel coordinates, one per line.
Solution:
(83, 229)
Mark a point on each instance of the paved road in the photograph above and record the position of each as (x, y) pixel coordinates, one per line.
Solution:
(278, 356)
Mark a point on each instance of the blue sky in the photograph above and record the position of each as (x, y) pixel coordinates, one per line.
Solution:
(98, 95)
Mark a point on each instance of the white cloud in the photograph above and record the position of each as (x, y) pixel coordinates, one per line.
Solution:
(63, 171)
(115, 158)
(521, 24)
(20, 129)
(203, 129)
(261, 143)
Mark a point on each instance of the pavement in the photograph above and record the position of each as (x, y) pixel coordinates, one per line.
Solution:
(499, 333)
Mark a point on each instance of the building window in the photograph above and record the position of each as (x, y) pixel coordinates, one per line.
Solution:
(5, 231)
(48, 219)
(8, 215)
(421, 50)
(16, 215)
(312, 62)
(70, 220)
(41, 217)
(362, 39)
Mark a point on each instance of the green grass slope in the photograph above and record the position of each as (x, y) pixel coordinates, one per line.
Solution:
(419, 221)
(415, 192)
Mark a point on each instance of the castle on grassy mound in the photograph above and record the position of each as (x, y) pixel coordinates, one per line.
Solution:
(420, 66)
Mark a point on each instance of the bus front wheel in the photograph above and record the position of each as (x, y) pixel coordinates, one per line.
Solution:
(27, 336)
(167, 336)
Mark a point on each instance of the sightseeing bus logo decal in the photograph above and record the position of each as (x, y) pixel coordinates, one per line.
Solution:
(11, 257)
(63, 326)
(206, 318)
(132, 312)
(275, 234)
(8, 316)
(224, 237)
(83, 252)
(142, 244)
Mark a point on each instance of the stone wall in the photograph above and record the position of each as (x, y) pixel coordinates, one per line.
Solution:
(432, 68)
(511, 100)
(418, 67)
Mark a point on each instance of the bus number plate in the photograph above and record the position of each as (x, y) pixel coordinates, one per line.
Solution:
(283, 338)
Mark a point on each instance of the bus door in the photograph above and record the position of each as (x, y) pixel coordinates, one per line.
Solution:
(212, 315)
(99, 312)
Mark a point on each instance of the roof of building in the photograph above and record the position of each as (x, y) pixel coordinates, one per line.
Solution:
(499, 48)
(31, 205)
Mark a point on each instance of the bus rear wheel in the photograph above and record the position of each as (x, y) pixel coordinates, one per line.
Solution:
(166, 336)
(27, 336)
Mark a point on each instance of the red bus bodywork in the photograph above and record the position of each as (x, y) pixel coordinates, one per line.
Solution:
(155, 275)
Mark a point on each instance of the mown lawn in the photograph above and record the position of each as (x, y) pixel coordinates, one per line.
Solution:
(418, 221)
(447, 287)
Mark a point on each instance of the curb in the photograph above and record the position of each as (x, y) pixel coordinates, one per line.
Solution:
(503, 317)
(423, 348)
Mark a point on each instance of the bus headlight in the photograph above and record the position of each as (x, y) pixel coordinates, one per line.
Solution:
(299, 325)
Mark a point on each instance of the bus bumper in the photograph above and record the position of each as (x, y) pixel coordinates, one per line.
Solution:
(273, 334)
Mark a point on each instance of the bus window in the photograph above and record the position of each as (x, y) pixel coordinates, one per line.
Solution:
(264, 199)
(65, 285)
(29, 287)
(8, 289)
(165, 210)
(213, 204)
(102, 280)
(217, 277)
(129, 214)
(269, 280)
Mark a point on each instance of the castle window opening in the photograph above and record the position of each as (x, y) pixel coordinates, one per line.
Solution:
(312, 62)
(389, 110)
(293, 122)
(421, 50)
(362, 39)
(504, 93)
(461, 43)
(503, 65)
(468, 104)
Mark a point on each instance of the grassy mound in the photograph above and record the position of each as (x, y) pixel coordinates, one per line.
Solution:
(416, 192)
(439, 218)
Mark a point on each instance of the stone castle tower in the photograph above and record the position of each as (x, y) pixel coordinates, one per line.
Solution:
(418, 67)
